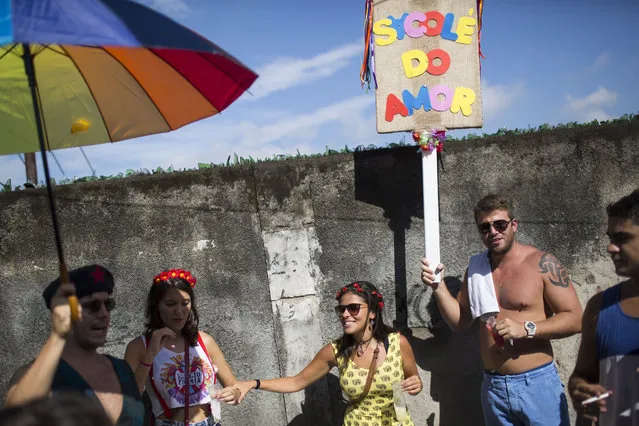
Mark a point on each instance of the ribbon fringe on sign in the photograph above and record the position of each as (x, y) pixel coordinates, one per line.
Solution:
(367, 72)
(480, 14)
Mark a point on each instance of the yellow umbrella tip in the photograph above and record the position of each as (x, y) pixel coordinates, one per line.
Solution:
(80, 125)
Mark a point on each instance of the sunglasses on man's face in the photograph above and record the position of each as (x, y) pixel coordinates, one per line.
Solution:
(353, 309)
(94, 306)
(499, 225)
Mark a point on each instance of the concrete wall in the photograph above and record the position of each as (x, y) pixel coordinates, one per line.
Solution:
(271, 243)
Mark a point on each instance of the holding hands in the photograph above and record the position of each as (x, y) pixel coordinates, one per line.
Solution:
(412, 385)
(229, 395)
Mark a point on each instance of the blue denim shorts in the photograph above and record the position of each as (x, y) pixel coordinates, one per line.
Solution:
(533, 398)
(209, 421)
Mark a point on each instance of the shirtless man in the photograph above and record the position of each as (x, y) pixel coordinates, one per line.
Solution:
(537, 302)
(69, 360)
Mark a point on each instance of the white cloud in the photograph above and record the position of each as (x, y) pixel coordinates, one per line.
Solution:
(285, 73)
(600, 61)
(213, 139)
(591, 106)
(297, 125)
(172, 8)
(499, 97)
(599, 98)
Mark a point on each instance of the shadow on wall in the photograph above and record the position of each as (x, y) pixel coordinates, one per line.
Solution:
(392, 181)
(453, 361)
(314, 407)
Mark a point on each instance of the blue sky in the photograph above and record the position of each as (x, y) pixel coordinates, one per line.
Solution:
(547, 61)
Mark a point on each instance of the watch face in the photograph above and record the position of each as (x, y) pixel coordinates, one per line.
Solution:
(530, 326)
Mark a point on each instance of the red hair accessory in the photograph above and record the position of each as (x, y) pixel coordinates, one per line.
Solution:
(359, 289)
(175, 273)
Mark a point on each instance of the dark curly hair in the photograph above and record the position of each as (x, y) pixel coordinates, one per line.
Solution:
(156, 293)
(346, 344)
(626, 208)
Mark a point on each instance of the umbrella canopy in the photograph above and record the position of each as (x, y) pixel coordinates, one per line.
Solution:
(106, 70)
(84, 72)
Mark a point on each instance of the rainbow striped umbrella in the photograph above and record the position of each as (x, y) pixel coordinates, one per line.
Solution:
(85, 72)
(106, 70)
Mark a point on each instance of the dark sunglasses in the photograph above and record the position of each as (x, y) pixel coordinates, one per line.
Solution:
(94, 306)
(353, 308)
(499, 225)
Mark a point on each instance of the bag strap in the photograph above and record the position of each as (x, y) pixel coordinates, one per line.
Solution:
(369, 378)
(206, 352)
(163, 404)
(187, 381)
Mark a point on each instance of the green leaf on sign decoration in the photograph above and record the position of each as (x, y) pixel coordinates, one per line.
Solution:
(129, 172)
(201, 166)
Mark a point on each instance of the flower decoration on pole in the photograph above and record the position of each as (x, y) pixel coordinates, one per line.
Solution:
(429, 140)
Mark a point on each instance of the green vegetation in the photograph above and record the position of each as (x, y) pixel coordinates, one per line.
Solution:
(236, 160)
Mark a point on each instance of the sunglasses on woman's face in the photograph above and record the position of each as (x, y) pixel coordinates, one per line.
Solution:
(94, 306)
(499, 225)
(353, 309)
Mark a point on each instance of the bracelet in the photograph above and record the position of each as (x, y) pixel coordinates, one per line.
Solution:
(145, 364)
(258, 383)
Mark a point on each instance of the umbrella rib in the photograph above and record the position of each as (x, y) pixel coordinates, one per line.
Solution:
(42, 117)
(90, 91)
(63, 53)
(139, 84)
(9, 51)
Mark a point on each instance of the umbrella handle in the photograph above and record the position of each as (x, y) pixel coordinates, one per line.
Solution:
(73, 300)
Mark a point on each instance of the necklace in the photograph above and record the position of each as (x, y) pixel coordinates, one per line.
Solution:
(360, 347)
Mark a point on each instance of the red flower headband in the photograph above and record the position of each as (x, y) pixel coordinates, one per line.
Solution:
(175, 273)
(359, 289)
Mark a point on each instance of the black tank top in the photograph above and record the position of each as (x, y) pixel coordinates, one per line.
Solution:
(67, 379)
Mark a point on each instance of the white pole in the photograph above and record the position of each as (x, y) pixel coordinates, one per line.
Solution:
(431, 208)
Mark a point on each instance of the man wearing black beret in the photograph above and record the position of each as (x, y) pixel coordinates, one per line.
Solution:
(69, 360)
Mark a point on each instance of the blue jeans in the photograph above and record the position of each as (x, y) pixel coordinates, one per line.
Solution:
(209, 421)
(533, 398)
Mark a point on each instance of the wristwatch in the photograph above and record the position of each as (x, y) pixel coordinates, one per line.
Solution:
(531, 329)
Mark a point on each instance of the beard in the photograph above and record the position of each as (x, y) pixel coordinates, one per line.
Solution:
(504, 248)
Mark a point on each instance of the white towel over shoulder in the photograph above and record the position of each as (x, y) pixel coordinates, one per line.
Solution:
(481, 288)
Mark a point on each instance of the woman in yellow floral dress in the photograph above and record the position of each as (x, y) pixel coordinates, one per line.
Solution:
(360, 313)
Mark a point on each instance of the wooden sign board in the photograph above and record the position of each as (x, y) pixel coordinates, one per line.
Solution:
(426, 55)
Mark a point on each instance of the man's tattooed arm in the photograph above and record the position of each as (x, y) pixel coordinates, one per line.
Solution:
(557, 274)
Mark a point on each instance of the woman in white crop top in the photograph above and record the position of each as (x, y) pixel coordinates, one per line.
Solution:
(158, 357)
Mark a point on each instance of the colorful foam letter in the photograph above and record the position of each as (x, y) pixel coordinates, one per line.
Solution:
(436, 103)
(419, 30)
(398, 25)
(441, 68)
(433, 15)
(382, 28)
(465, 29)
(447, 30)
(407, 61)
(463, 99)
(421, 101)
(393, 107)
